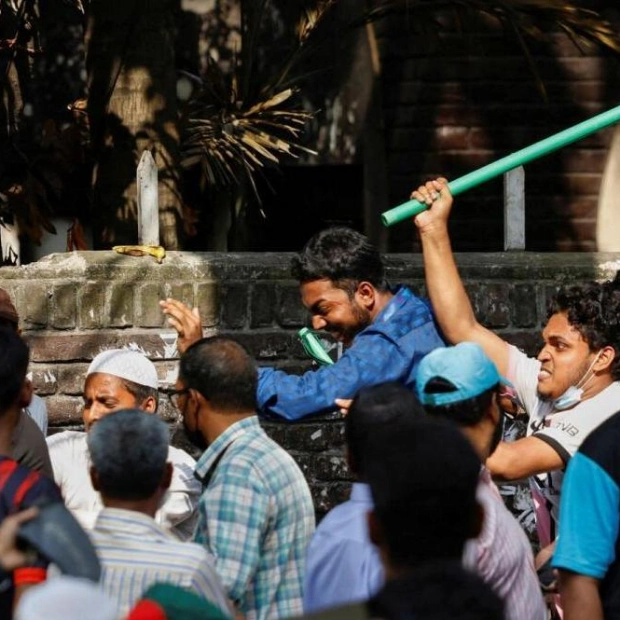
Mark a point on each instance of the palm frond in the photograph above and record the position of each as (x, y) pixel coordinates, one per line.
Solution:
(526, 19)
(234, 136)
(234, 141)
(533, 18)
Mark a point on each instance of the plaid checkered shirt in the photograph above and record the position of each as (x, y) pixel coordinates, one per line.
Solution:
(256, 518)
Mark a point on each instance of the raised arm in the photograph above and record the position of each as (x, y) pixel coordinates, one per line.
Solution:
(451, 304)
(185, 320)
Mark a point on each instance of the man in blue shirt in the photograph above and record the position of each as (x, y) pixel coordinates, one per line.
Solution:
(387, 331)
(588, 547)
(342, 564)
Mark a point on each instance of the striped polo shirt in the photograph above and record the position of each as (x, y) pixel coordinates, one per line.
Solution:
(135, 553)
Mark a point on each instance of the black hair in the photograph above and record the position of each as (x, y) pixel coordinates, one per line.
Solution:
(8, 324)
(343, 256)
(466, 412)
(372, 408)
(437, 591)
(223, 372)
(141, 392)
(593, 309)
(423, 474)
(14, 358)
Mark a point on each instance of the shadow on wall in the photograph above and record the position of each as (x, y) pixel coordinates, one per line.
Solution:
(455, 103)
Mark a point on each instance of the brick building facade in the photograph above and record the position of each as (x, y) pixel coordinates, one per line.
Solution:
(453, 102)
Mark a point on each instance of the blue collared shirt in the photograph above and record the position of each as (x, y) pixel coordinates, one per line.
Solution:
(256, 518)
(342, 565)
(389, 349)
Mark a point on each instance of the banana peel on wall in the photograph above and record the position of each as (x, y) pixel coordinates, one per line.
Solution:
(156, 251)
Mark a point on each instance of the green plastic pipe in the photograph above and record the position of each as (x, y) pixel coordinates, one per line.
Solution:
(519, 158)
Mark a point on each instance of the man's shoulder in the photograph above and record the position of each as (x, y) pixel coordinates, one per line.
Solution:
(603, 444)
(405, 312)
(178, 455)
(590, 414)
(184, 464)
(257, 452)
(342, 523)
(67, 447)
(22, 487)
(66, 438)
(260, 463)
(154, 543)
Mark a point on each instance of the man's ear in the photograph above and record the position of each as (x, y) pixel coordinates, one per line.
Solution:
(605, 359)
(493, 411)
(25, 394)
(195, 401)
(94, 478)
(366, 294)
(149, 405)
(166, 480)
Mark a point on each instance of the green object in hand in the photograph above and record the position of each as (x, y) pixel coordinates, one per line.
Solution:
(514, 160)
(313, 347)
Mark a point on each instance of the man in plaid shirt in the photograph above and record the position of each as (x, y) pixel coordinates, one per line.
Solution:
(255, 514)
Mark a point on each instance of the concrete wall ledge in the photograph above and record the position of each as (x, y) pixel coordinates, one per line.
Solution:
(265, 266)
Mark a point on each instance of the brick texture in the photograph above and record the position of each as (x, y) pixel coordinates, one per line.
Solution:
(465, 96)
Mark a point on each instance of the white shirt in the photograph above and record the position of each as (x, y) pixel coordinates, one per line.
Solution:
(38, 412)
(502, 556)
(135, 553)
(565, 430)
(71, 463)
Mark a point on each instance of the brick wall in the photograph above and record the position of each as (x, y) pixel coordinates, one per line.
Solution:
(453, 103)
(74, 305)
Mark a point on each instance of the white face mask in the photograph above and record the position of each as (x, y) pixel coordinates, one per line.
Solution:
(572, 396)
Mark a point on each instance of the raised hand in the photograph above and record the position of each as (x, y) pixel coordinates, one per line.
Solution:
(185, 320)
(436, 194)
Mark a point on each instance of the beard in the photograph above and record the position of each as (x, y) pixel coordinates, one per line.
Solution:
(195, 438)
(362, 321)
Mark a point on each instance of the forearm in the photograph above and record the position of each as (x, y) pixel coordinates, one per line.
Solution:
(580, 597)
(504, 464)
(522, 458)
(451, 304)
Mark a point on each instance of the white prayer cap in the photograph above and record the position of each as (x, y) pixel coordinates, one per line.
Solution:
(125, 364)
(66, 598)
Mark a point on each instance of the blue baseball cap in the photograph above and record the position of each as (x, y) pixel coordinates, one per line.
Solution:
(465, 365)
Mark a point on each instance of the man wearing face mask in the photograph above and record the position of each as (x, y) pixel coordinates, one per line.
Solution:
(461, 384)
(568, 390)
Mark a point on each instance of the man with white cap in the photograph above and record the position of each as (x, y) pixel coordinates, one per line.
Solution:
(120, 379)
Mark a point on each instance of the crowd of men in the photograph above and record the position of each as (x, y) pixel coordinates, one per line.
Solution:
(425, 534)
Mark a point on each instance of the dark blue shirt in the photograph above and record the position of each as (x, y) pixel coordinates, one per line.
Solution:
(389, 349)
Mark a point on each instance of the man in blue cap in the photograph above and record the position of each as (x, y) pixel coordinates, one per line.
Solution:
(462, 384)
